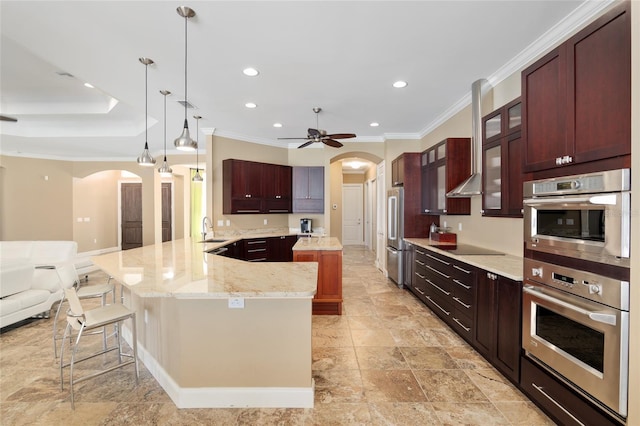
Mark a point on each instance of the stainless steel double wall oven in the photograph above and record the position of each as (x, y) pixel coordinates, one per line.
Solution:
(576, 282)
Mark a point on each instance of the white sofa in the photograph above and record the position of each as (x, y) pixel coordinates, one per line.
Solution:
(27, 289)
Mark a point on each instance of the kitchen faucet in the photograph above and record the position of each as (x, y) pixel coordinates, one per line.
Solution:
(204, 227)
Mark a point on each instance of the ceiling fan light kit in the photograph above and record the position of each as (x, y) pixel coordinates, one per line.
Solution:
(316, 135)
(145, 158)
(184, 141)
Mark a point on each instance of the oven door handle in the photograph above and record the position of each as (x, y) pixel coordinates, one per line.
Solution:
(605, 199)
(595, 316)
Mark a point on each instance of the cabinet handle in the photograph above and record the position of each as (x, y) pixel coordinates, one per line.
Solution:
(461, 284)
(462, 303)
(460, 269)
(427, 210)
(492, 276)
(438, 306)
(262, 259)
(460, 324)
(278, 196)
(438, 287)
(419, 252)
(278, 211)
(419, 290)
(420, 275)
(248, 211)
(546, 395)
(247, 195)
(420, 262)
(438, 272)
(257, 242)
(444, 211)
(439, 260)
(256, 250)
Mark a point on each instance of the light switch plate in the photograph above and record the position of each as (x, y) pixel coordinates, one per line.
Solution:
(236, 303)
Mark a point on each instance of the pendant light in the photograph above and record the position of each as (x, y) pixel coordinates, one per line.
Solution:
(184, 141)
(146, 159)
(197, 177)
(165, 170)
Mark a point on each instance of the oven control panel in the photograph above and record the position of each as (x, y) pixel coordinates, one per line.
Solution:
(601, 289)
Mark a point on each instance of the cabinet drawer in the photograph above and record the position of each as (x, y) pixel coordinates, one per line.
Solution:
(439, 285)
(462, 324)
(246, 205)
(439, 304)
(557, 400)
(255, 250)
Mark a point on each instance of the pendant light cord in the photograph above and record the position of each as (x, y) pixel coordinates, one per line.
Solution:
(146, 101)
(165, 127)
(197, 142)
(185, 67)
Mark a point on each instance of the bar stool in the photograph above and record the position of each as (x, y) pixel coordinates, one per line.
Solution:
(68, 277)
(80, 320)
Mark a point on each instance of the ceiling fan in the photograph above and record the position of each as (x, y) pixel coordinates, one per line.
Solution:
(7, 118)
(316, 135)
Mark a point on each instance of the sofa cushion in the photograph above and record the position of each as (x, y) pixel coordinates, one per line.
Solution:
(15, 249)
(28, 298)
(15, 276)
(53, 252)
(50, 279)
(9, 306)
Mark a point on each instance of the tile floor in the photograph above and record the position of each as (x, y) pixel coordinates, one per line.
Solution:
(386, 361)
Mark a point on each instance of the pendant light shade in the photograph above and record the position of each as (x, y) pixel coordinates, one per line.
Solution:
(197, 177)
(165, 170)
(145, 158)
(184, 141)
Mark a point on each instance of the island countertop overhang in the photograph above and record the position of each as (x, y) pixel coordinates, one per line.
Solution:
(183, 269)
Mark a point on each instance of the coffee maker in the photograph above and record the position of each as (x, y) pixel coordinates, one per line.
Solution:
(305, 226)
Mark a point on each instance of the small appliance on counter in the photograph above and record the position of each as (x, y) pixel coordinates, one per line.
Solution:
(305, 226)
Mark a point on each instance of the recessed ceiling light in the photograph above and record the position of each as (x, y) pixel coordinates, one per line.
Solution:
(89, 85)
(251, 72)
(277, 125)
(374, 124)
(400, 84)
(250, 105)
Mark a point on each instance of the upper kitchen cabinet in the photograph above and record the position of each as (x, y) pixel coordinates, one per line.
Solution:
(308, 189)
(241, 186)
(397, 171)
(443, 167)
(502, 175)
(576, 100)
(416, 225)
(277, 188)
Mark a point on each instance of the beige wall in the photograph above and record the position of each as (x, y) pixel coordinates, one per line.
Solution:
(36, 199)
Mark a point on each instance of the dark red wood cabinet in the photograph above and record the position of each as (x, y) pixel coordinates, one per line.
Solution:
(250, 187)
(502, 174)
(407, 170)
(279, 249)
(444, 166)
(397, 171)
(497, 322)
(577, 98)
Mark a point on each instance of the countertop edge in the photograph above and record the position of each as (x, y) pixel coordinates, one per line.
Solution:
(485, 262)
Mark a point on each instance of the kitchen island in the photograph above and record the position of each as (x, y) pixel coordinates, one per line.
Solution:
(216, 331)
(327, 252)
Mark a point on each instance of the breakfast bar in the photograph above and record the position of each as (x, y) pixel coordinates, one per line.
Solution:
(216, 331)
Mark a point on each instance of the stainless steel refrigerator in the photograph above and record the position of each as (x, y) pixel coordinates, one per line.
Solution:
(395, 234)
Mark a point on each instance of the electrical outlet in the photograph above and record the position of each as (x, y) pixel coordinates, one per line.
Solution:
(221, 223)
(236, 303)
(228, 222)
(444, 224)
(146, 316)
(460, 226)
(265, 221)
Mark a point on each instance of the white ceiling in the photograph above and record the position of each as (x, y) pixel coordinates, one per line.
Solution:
(340, 55)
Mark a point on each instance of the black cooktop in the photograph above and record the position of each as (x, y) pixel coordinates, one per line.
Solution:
(466, 249)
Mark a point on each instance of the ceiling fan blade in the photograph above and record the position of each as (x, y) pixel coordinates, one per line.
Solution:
(342, 136)
(332, 143)
(291, 138)
(307, 143)
(314, 132)
(6, 118)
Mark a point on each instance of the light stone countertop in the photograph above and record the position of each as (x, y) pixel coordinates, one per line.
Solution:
(506, 265)
(183, 269)
(318, 243)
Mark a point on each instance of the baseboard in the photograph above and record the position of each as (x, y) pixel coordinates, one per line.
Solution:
(224, 397)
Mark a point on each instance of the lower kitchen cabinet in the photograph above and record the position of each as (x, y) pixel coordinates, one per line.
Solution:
(560, 402)
(328, 298)
(497, 322)
(279, 248)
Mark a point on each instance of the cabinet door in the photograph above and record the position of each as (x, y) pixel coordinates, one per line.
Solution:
(330, 275)
(599, 82)
(279, 248)
(513, 175)
(492, 179)
(544, 111)
(308, 189)
(397, 171)
(508, 295)
(484, 319)
(277, 188)
(316, 183)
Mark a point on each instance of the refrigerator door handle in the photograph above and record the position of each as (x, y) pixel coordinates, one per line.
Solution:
(392, 250)
(392, 219)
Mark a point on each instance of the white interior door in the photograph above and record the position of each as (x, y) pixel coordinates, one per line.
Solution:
(352, 214)
(381, 217)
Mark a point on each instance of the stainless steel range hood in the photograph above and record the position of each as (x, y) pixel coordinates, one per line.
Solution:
(481, 95)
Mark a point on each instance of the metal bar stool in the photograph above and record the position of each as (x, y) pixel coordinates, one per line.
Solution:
(80, 320)
(68, 277)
